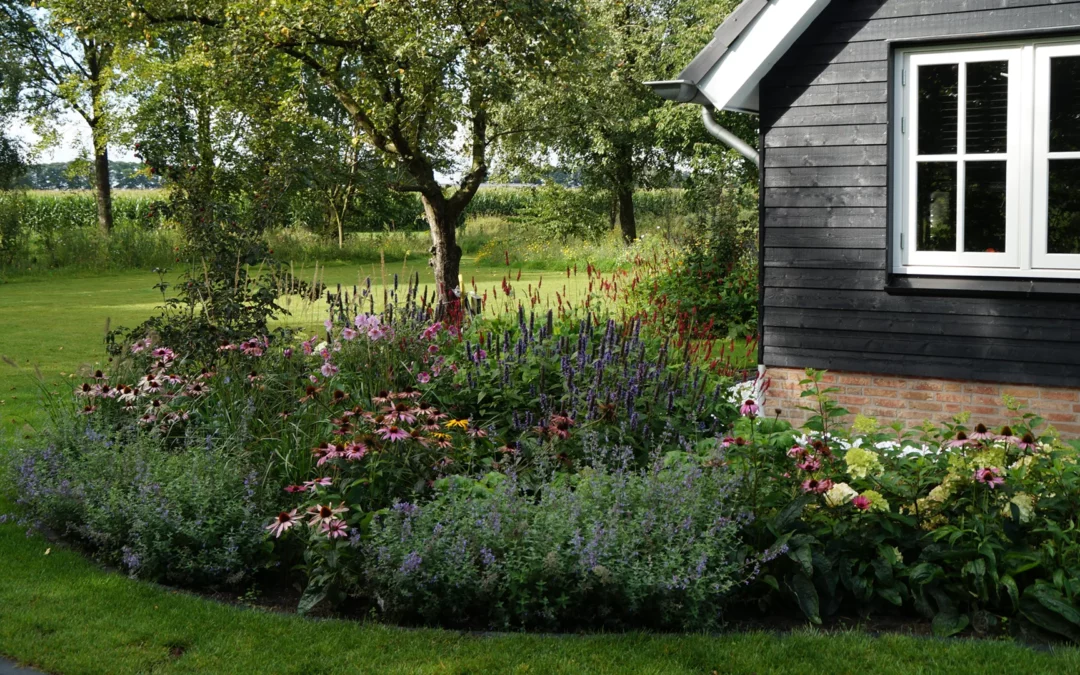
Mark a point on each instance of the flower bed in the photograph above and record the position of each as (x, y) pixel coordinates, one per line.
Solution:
(562, 469)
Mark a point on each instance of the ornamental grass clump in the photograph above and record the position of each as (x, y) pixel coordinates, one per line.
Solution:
(603, 548)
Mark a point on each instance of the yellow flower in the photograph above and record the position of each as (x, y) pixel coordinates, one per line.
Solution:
(862, 463)
(840, 494)
(464, 424)
(441, 437)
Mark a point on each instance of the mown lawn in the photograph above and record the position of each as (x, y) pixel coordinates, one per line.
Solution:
(61, 613)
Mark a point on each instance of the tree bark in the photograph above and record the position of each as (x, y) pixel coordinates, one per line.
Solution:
(103, 186)
(627, 218)
(446, 255)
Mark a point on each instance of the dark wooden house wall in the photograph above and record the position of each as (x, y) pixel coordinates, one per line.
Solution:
(825, 128)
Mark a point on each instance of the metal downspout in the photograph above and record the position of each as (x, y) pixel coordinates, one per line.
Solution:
(727, 138)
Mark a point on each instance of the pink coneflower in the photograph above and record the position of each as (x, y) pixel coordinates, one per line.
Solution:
(99, 375)
(817, 486)
(147, 419)
(354, 451)
(381, 398)
(798, 452)
(1027, 442)
(990, 476)
(749, 408)
(87, 410)
(105, 391)
(163, 353)
(86, 389)
(402, 412)
(254, 377)
(149, 385)
(325, 481)
(1007, 435)
(560, 426)
(128, 405)
(861, 503)
(433, 349)
(480, 432)
(960, 441)
(509, 448)
(348, 333)
(393, 433)
(418, 436)
(227, 347)
(292, 489)
(335, 528)
(424, 410)
(310, 393)
(172, 378)
(196, 389)
(810, 464)
(282, 523)
(981, 433)
(127, 393)
(140, 345)
(423, 377)
(325, 513)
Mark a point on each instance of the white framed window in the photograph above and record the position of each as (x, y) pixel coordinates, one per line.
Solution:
(986, 173)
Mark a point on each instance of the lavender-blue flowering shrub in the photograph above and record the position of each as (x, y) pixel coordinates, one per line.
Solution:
(601, 548)
(193, 516)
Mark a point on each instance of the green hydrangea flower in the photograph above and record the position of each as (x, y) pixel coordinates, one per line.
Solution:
(877, 501)
(862, 463)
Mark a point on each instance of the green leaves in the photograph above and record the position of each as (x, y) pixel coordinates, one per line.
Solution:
(1045, 606)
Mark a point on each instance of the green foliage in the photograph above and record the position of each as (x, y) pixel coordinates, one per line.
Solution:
(604, 548)
(972, 531)
(559, 213)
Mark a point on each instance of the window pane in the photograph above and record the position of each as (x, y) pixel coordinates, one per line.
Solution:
(1065, 104)
(936, 204)
(937, 87)
(984, 207)
(987, 106)
(1063, 216)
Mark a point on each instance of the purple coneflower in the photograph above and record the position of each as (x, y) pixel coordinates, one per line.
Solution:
(393, 433)
(1027, 442)
(321, 513)
(810, 464)
(282, 522)
(817, 486)
(1007, 435)
(355, 451)
(87, 410)
(861, 503)
(749, 408)
(335, 528)
(292, 489)
(990, 476)
(325, 481)
(981, 433)
(960, 441)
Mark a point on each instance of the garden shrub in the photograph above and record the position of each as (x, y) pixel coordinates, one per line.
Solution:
(656, 547)
(964, 525)
(193, 515)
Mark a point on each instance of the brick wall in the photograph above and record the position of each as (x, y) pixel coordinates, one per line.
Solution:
(915, 399)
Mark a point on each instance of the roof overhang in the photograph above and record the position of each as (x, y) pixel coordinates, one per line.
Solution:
(726, 74)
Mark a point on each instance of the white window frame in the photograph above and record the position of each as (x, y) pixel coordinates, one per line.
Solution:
(1026, 156)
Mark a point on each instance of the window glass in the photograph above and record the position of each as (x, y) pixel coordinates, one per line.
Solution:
(1063, 207)
(938, 87)
(1065, 104)
(984, 207)
(987, 107)
(936, 204)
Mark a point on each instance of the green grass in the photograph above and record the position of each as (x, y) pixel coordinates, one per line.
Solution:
(55, 326)
(61, 613)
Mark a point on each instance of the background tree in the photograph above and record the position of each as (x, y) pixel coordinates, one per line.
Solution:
(605, 124)
(67, 68)
(413, 78)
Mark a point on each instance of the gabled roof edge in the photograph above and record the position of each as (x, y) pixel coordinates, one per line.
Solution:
(729, 31)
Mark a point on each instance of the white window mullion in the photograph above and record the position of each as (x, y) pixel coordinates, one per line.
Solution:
(1024, 173)
(961, 149)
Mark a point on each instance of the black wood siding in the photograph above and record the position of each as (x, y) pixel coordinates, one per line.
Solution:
(824, 123)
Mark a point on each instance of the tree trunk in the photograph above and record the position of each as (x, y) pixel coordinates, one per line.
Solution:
(627, 219)
(446, 256)
(103, 186)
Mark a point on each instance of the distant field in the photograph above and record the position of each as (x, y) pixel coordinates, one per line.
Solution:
(120, 193)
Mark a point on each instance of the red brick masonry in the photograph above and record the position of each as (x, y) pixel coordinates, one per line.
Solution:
(916, 399)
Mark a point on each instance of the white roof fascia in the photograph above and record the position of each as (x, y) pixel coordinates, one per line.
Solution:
(732, 82)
